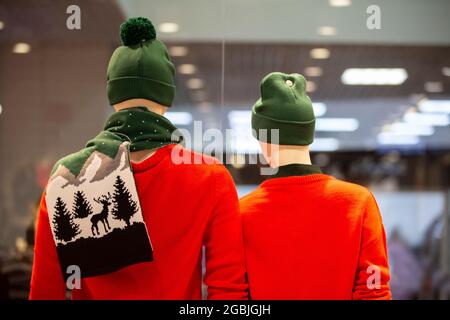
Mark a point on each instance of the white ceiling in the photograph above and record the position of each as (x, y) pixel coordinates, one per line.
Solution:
(402, 21)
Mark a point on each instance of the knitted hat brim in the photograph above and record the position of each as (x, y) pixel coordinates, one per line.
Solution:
(125, 88)
(290, 132)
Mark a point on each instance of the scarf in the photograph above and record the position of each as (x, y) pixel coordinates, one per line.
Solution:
(93, 205)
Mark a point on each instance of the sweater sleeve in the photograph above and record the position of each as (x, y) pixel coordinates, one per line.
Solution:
(224, 250)
(47, 282)
(372, 275)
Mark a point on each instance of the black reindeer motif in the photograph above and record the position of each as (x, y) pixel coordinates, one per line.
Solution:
(102, 216)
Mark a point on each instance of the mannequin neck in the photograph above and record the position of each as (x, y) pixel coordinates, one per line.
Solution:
(150, 105)
(281, 155)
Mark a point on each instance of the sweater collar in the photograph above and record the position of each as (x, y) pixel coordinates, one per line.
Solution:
(297, 169)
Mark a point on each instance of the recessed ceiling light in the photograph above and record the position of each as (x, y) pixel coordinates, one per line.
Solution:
(386, 138)
(431, 106)
(326, 31)
(2, 25)
(324, 144)
(319, 108)
(320, 53)
(169, 27)
(313, 71)
(446, 71)
(178, 51)
(195, 83)
(340, 3)
(310, 86)
(240, 118)
(337, 124)
(404, 128)
(187, 68)
(21, 48)
(370, 76)
(179, 117)
(429, 119)
(433, 86)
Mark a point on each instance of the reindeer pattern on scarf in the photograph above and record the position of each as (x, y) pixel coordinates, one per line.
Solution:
(98, 210)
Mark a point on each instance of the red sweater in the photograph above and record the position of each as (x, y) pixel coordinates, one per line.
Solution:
(184, 206)
(313, 237)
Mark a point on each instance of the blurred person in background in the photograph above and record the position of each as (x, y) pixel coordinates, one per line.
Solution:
(154, 215)
(406, 272)
(307, 235)
(435, 280)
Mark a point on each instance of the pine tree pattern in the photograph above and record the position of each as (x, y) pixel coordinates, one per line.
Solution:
(64, 227)
(81, 206)
(124, 205)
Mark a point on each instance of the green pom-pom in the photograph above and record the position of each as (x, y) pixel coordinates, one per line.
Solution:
(135, 30)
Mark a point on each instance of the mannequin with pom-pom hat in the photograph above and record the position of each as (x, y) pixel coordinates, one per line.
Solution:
(136, 226)
(307, 235)
(141, 68)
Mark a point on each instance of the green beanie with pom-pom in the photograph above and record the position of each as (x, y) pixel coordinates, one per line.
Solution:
(141, 68)
(285, 107)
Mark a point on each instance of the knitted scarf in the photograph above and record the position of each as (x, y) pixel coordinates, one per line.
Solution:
(93, 205)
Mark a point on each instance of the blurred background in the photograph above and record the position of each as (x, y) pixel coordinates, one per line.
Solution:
(378, 73)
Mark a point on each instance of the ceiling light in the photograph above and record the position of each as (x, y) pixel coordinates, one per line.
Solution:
(2, 25)
(403, 128)
(313, 71)
(319, 108)
(433, 87)
(187, 68)
(178, 51)
(21, 48)
(310, 86)
(429, 119)
(340, 3)
(320, 53)
(326, 31)
(168, 27)
(1, 109)
(446, 71)
(245, 144)
(337, 124)
(385, 138)
(240, 117)
(371, 76)
(179, 118)
(242, 140)
(439, 106)
(324, 144)
(195, 83)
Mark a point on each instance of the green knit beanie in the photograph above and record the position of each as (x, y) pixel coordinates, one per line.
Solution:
(285, 106)
(141, 68)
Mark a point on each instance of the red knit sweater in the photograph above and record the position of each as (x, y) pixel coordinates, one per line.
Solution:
(184, 206)
(314, 237)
